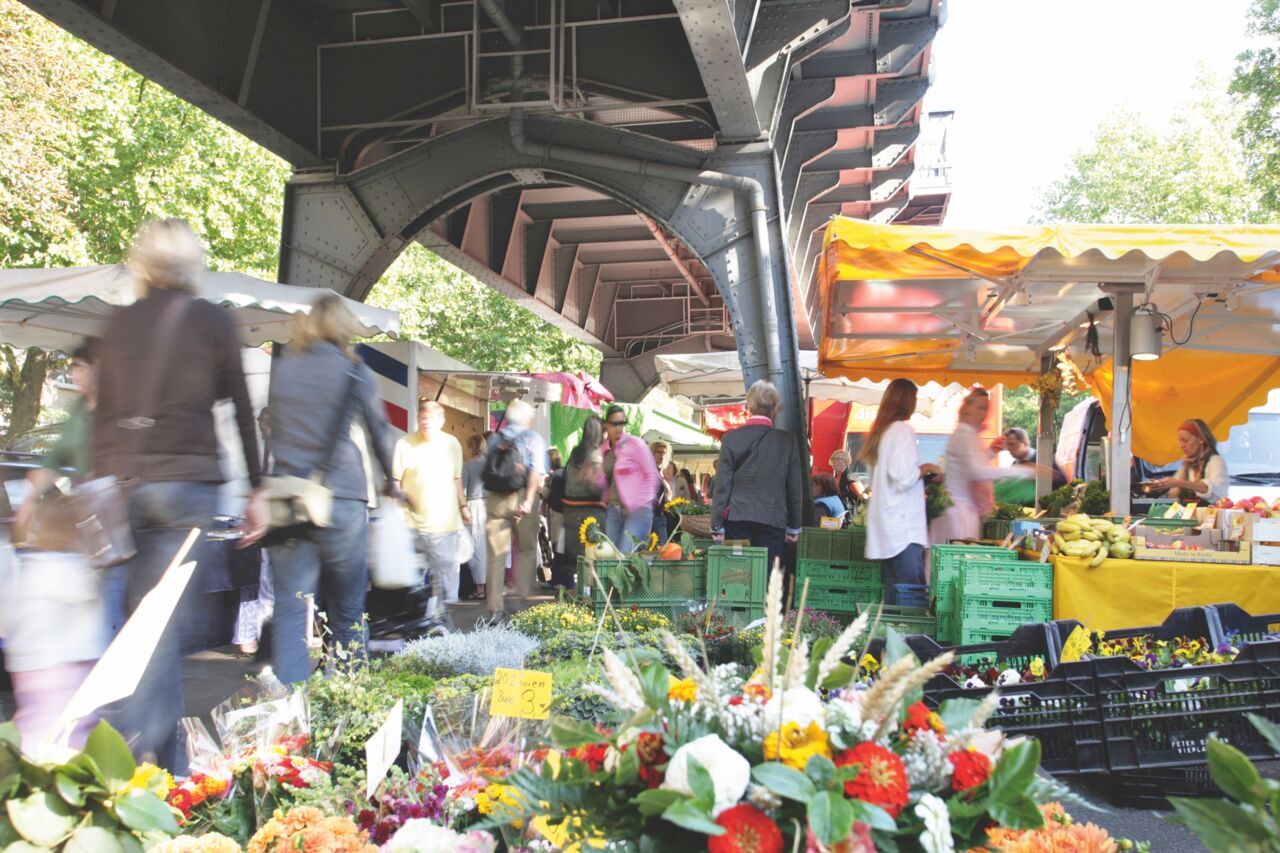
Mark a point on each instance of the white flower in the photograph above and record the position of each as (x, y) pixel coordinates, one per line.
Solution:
(844, 720)
(798, 705)
(730, 772)
(974, 683)
(936, 837)
(1009, 676)
(423, 836)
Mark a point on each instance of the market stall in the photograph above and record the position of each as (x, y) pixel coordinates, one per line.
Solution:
(1122, 593)
(932, 304)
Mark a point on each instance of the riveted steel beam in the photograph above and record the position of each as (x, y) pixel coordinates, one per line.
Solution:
(709, 28)
(787, 32)
(897, 99)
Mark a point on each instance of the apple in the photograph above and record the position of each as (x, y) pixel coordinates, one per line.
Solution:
(1224, 503)
(1258, 500)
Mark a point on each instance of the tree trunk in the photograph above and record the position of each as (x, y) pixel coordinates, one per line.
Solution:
(27, 384)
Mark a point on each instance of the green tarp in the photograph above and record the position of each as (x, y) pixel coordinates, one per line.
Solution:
(567, 421)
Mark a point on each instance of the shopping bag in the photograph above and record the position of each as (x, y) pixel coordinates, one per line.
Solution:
(393, 563)
(466, 546)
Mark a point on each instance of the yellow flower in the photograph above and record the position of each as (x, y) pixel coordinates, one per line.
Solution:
(584, 532)
(148, 777)
(794, 746)
(653, 542)
(1037, 667)
(685, 690)
(869, 664)
(675, 504)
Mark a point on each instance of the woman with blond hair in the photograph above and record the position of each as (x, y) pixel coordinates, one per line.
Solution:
(163, 363)
(970, 474)
(897, 533)
(317, 390)
(759, 487)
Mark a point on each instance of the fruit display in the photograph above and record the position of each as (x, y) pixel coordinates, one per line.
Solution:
(1096, 539)
(1256, 505)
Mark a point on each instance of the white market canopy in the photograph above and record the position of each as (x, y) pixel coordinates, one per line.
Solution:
(707, 376)
(54, 309)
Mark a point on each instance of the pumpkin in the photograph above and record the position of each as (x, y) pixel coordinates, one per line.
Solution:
(670, 551)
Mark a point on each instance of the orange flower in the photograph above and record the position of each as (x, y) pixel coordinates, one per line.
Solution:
(1058, 835)
(882, 781)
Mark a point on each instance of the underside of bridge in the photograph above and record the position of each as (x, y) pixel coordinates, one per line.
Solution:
(650, 175)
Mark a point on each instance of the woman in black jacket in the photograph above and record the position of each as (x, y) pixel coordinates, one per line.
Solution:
(759, 486)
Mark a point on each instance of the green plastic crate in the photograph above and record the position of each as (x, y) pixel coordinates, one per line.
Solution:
(999, 617)
(1023, 579)
(672, 584)
(832, 599)
(740, 616)
(829, 573)
(945, 563)
(836, 546)
(737, 574)
(997, 528)
(904, 620)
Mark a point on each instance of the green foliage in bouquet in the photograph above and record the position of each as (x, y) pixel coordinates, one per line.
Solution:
(1249, 818)
(87, 804)
(936, 500)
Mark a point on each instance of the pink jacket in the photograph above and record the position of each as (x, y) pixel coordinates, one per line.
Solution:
(635, 474)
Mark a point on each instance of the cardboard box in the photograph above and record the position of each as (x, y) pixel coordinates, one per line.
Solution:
(1247, 527)
(1206, 537)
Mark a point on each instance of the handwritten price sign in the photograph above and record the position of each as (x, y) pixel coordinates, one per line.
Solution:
(521, 693)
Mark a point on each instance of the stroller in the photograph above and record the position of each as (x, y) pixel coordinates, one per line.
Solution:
(410, 612)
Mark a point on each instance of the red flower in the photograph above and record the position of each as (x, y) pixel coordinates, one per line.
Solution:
(649, 751)
(970, 769)
(747, 830)
(592, 755)
(180, 800)
(882, 781)
(921, 719)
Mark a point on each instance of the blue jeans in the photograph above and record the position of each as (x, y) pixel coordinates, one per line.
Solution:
(629, 530)
(161, 515)
(330, 563)
(906, 567)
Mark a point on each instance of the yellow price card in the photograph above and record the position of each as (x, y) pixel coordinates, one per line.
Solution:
(522, 693)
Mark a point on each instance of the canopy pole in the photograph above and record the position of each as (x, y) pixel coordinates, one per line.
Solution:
(1121, 391)
(1044, 435)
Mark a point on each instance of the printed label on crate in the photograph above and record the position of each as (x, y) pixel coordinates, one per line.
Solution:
(522, 693)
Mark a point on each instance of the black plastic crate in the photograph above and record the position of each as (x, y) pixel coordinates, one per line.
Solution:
(1164, 718)
(1061, 711)
(1235, 625)
(1151, 789)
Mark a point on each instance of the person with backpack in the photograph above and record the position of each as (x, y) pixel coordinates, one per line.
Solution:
(514, 468)
(633, 480)
(759, 484)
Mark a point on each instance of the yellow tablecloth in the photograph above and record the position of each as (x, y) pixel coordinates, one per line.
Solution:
(1129, 593)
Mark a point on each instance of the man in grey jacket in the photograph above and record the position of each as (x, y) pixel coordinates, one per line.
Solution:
(759, 492)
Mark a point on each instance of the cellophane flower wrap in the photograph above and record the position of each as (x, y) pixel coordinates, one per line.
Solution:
(476, 748)
(266, 742)
(807, 751)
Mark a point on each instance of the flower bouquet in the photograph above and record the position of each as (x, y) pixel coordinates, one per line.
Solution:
(695, 519)
(797, 753)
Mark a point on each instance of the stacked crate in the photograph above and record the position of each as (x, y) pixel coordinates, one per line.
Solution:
(736, 582)
(839, 575)
(946, 565)
(672, 585)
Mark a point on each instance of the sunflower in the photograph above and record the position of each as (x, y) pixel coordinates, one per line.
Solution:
(674, 504)
(653, 542)
(589, 533)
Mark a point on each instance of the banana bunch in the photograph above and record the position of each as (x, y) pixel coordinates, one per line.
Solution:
(1092, 538)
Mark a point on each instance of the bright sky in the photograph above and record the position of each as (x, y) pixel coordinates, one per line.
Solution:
(1029, 80)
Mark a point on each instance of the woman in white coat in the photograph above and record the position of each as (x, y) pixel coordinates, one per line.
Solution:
(970, 469)
(896, 530)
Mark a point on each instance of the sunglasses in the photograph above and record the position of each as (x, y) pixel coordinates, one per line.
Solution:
(616, 423)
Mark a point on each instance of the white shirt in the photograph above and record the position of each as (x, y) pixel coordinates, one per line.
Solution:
(895, 513)
(968, 462)
(1215, 476)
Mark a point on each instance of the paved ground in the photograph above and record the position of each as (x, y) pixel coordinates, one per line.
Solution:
(211, 676)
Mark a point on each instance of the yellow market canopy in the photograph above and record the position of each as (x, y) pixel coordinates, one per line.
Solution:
(939, 304)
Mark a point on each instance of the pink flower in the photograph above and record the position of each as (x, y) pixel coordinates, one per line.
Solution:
(858, 841)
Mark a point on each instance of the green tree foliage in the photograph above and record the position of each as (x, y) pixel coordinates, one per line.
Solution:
(89, 150)
(1022, 409)
(1257, 86)
(1190, 171)
(451, 311)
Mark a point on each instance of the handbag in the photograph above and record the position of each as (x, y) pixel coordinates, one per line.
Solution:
(297, 504)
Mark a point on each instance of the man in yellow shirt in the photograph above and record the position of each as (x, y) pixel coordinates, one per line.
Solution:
(428, 466)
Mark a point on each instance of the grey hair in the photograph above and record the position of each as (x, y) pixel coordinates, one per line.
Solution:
(842, 454)
(166, 255)
(763, 399)
(1018, 433)
(519, 413)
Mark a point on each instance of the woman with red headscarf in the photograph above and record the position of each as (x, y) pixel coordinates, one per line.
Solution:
(1202, 476)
